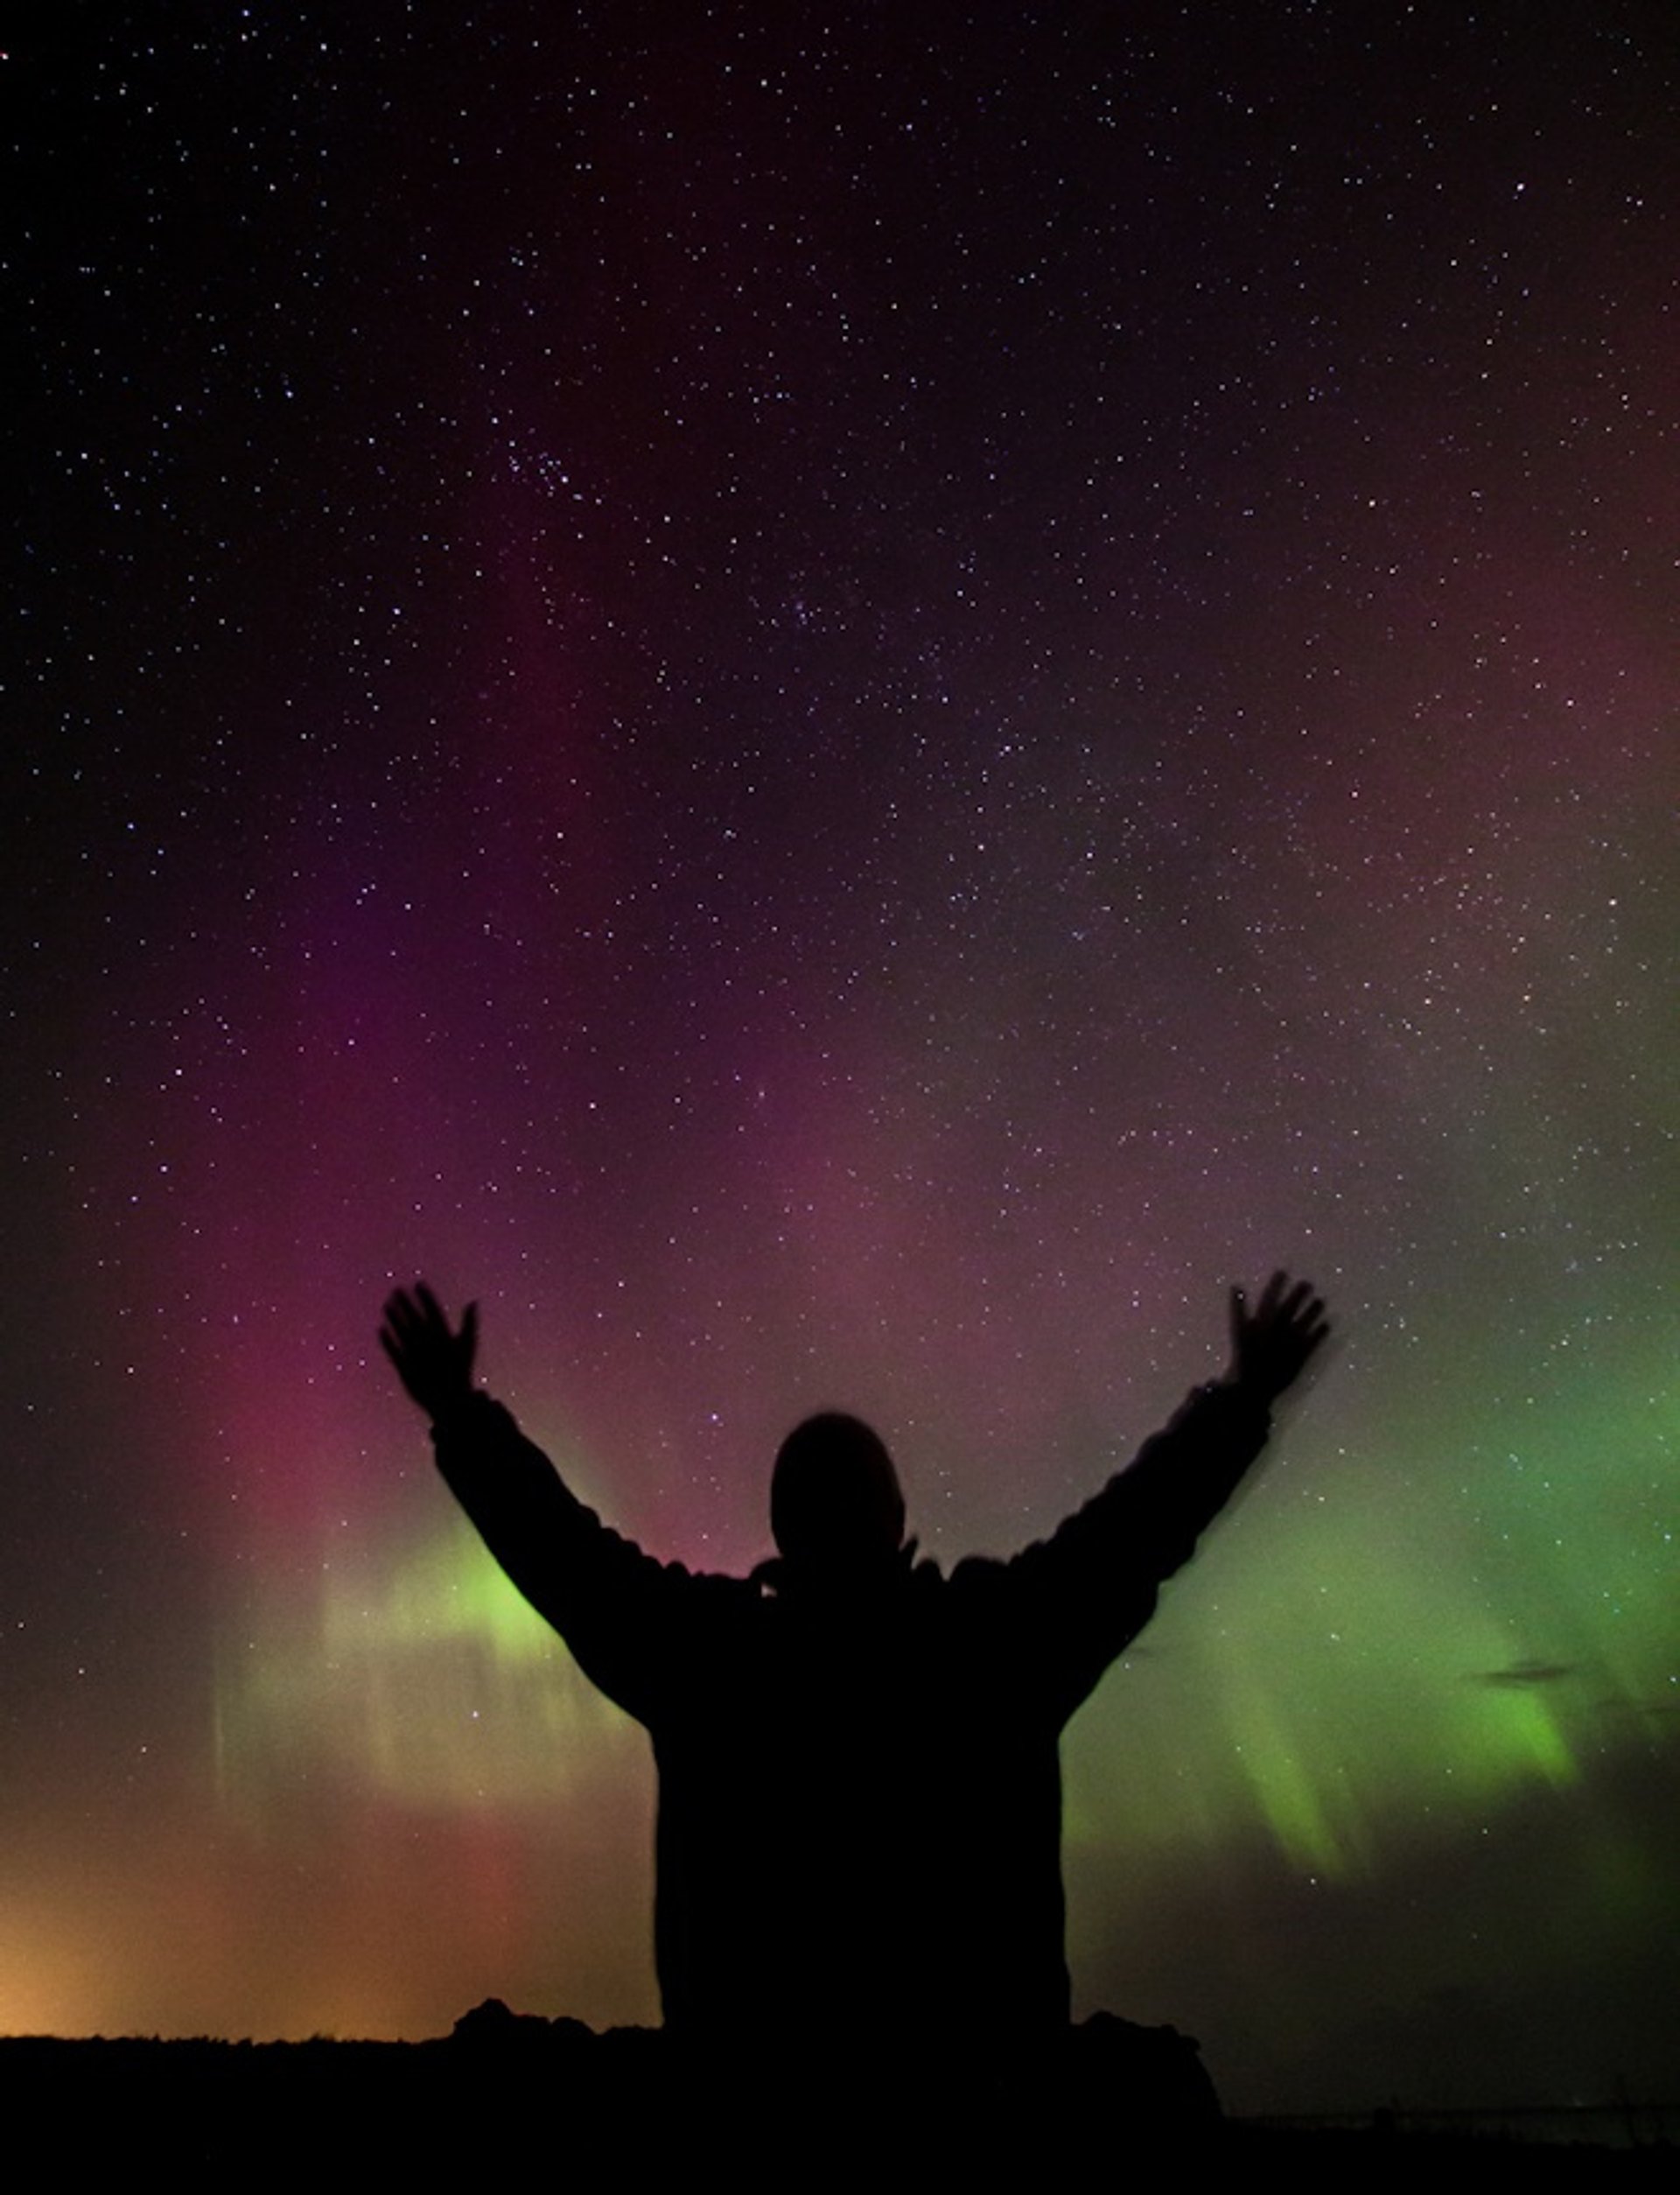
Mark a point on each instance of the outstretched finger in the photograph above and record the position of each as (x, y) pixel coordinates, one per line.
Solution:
(1294, 1303)
(1313, 1327)
(400, 1316)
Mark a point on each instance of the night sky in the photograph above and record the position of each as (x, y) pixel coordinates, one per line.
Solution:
(843, 704)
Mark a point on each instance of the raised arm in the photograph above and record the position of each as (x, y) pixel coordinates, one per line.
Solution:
(616, 1608)
(1094, 1584)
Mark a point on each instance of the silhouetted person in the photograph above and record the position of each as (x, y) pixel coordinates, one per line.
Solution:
(859, 1780)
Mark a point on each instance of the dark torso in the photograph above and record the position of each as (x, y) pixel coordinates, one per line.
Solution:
(860, 1794)
(860, 1812)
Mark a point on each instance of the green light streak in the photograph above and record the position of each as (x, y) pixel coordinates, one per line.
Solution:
(446, 1589)
(424, 1678)
(1378, 1654)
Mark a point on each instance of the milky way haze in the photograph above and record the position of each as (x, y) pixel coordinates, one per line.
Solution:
(841, 705)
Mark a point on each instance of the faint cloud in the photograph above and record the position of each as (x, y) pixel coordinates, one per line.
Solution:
(1522, 1673)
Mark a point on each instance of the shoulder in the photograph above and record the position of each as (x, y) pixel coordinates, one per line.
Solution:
(974, 1573)
(981, 1590)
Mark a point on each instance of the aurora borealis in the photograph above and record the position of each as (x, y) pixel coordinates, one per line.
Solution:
(843, 704)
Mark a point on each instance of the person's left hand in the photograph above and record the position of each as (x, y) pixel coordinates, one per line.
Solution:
(433, 1360)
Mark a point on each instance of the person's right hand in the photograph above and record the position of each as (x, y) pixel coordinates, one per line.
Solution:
(432, 1360)
(1272, 1345)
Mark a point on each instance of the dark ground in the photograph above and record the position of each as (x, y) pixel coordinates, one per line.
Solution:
(506, 2094)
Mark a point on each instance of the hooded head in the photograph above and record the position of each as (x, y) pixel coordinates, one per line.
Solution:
(836, 1506)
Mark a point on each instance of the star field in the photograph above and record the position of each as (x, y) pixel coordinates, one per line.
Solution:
(843, 705)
